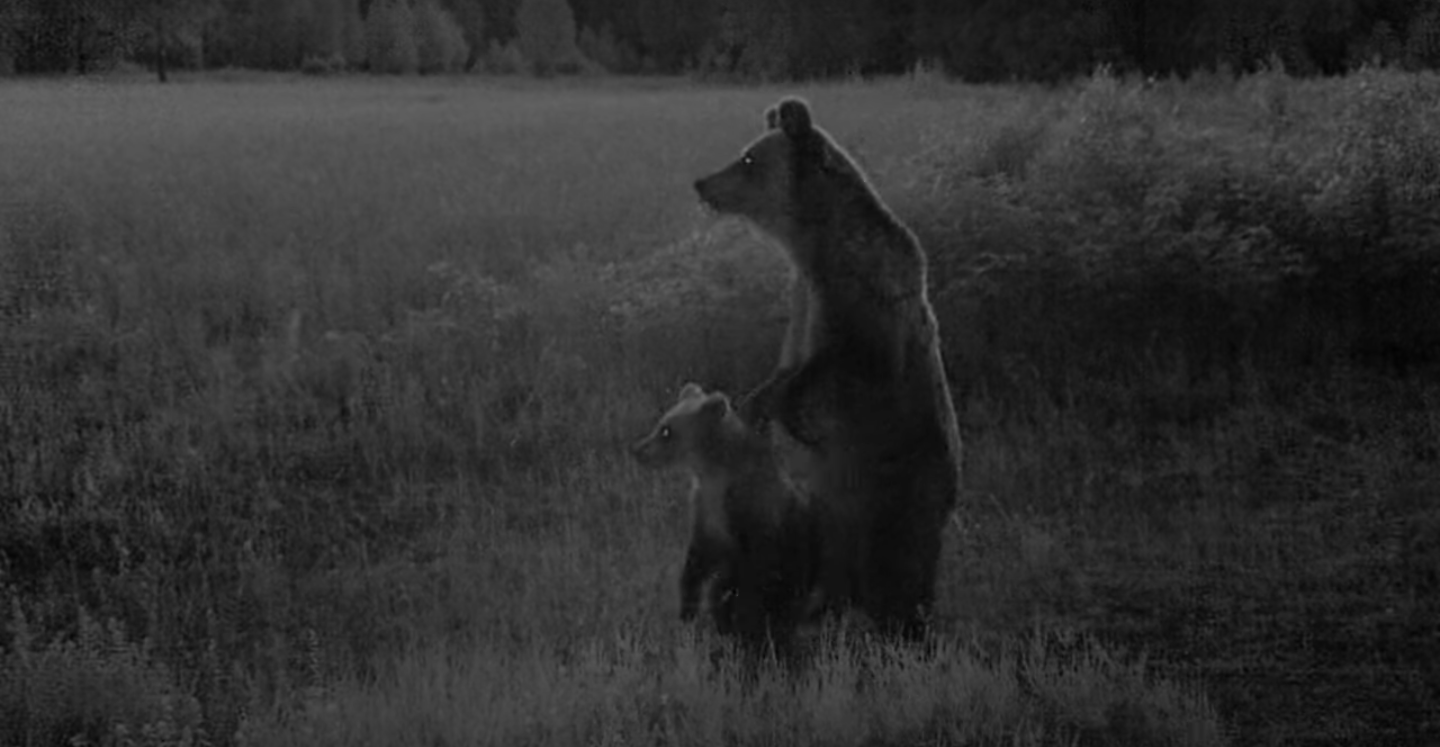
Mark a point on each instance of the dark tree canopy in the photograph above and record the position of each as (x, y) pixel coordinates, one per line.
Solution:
(975, 39)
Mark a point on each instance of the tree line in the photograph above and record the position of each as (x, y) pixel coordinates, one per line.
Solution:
(978, 40)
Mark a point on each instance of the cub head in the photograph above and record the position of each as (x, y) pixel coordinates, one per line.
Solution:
(791, 176)
(688, 433)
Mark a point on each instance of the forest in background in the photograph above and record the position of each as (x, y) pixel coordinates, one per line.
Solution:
(976, 40)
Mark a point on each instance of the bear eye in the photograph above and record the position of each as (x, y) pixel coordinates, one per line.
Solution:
(665, 433)
(747, 160)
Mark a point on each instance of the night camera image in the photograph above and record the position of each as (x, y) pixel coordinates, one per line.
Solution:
(832, 373)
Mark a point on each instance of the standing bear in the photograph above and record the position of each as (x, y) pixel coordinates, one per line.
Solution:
(751, 534)
(861, 383)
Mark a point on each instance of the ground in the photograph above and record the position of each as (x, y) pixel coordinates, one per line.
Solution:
(320, 390)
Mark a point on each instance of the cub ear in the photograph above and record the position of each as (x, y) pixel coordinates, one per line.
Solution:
(691, 390)
(772, 117)
(794, 116)
(717, 406)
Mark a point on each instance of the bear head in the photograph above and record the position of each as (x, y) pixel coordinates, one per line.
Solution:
(789, 180)
(689, 434)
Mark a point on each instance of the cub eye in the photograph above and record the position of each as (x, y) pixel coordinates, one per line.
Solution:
(665, 433)
(747, 160)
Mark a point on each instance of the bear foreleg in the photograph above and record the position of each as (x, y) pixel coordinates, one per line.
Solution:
(782, 395)
(702, 561)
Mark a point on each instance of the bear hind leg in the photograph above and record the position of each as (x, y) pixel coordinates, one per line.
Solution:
(906, 545)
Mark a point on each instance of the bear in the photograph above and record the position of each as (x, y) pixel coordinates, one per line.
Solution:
(751, 533)
(861, 386)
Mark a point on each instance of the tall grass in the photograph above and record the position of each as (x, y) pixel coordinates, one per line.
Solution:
(314, 397)
(667, 691)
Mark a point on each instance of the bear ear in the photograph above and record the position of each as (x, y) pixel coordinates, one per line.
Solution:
(794, 116)
(772, 118)
(691, 390)
(716, 406)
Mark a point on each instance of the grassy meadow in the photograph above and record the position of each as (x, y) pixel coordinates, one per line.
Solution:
(314, 398)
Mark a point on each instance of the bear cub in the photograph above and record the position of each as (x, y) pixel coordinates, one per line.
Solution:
(752, 535)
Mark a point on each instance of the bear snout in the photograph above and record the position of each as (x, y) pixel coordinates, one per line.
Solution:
(702, 188)
(644, 452)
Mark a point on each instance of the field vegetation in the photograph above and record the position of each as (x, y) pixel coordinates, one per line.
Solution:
(314, 398)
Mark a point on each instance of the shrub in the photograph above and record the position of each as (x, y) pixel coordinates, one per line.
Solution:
(354, 44)
(1376, 259)
(751, 44)
(1109, 239)
(926, 78)
(390, 38)
(719, 281)
(322, 64)
(606, 50)
(439, 41)
(1110, 235)
(545, 33)
(506, 59)
(96, 688)
(470, 18)
(1381, 47)
(1422, 40)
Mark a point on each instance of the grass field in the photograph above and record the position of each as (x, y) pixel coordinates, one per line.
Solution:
(314, 398)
